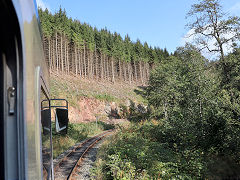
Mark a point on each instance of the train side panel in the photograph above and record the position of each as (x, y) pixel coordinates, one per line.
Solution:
(35, 79)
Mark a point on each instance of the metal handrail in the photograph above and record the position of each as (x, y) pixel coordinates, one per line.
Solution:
(55, 106)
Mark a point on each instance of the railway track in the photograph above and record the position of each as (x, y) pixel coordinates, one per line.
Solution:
(66, 168)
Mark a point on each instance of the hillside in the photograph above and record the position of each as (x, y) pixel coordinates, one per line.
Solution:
(89, 99)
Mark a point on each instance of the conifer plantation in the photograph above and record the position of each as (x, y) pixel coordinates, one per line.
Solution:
(73, 47)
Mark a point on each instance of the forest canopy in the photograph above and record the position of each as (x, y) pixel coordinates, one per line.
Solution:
(72, 46)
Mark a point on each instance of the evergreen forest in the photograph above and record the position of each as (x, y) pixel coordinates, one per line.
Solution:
(74, 47)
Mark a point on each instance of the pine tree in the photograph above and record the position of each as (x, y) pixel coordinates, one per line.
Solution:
(71, 46)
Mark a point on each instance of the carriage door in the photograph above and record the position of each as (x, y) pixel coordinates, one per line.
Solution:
(11, 96)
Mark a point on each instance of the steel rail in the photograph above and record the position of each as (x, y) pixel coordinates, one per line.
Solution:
(70, 176)
(77, 148)
(73, 150)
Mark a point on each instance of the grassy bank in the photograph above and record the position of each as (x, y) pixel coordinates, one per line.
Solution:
(76, 133)
(73, 88)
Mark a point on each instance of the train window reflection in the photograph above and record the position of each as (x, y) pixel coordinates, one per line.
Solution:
(46, 132)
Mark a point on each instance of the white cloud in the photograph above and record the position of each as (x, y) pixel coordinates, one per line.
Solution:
(187, 38)
(190, 38)
(42, 4)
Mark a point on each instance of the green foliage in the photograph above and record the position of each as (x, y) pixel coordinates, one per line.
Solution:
(182, 86)
(121, 169)
(211, 25)
(124, 113)
(151, 151)
(105, 97)
(195, 134)
(46, 19)
(135, 153)
(229, 100)
(76, 133)
(184, 93)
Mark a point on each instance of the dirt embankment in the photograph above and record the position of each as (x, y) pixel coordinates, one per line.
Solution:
(90, 100)
(90, 109)
(87, 111)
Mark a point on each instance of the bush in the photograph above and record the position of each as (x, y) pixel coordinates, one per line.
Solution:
(135, 153)
(197, 131)
(76, 133)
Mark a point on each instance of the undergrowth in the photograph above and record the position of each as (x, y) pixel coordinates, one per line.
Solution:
(105, 97)
(76, 133)
(139, 152)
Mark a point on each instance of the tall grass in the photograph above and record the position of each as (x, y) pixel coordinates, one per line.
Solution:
(76, 133)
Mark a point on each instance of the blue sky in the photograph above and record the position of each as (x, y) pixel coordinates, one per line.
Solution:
(158, 22)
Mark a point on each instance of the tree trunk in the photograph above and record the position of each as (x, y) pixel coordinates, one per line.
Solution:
(144, 73)
(68, 63)
(113, 72)
(72, 58)
(102, 73)
(49, 54)
(79, 62)
(140, 69)
(129, 72)
(53, 55)
(107, 70)
(96, 63)
(148, 72)
(124, 71)
(135, 71)
(61, 52)
(76, 65)
(103, 66)
(65, 55)
(56, 52)
(120, 69)
(91, 65)
(84, 61)
(88, 63)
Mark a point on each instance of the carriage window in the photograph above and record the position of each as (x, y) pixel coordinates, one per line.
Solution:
(46, 132)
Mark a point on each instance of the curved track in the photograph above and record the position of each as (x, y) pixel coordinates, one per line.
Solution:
(67, 166)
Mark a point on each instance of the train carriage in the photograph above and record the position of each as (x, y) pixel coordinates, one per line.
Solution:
(25, 127)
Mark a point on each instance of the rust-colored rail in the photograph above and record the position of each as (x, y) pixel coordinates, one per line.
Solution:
(75, 151)
(70, 177)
